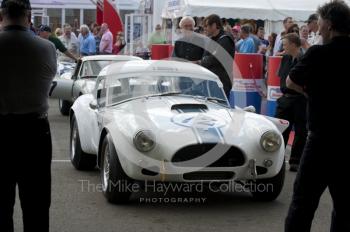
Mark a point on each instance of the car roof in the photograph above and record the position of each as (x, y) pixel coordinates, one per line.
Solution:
(110, 57)
(157, 66)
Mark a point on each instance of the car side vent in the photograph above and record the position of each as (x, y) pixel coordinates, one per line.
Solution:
(189, 108)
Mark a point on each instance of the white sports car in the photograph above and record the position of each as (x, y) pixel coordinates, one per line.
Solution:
(170, 121)
(75, 80)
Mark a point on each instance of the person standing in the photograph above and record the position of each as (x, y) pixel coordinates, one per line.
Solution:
(291, 105)
(272, 39)
(256, 39)
(27, 65)
(87, 42)
(304, 36)
(45, 33)
(70, 41)
(191, 46)
(261, 36)
(314, 34)
(246, 44)
(287, 23)
(58, 32)
(226, 25)
(157, 37)
(226, 49)
(96, 32)
(106, 44)
(325, 160)
(119, 43)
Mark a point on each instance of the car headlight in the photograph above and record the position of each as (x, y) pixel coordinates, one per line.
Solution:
(270, 141)
(144, 141)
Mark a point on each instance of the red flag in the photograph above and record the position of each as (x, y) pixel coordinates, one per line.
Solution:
(111, 17)
(99, 12)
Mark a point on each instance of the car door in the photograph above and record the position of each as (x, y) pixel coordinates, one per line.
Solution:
(62, 86)
(80, 84)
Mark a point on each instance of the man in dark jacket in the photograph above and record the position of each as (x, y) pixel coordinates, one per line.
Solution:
(220, 52)
(291, 105)
(325, 160)
(190, 46)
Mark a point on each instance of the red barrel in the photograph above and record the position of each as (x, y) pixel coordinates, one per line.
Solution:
(273, 84)
(247, 81)
(161, 51)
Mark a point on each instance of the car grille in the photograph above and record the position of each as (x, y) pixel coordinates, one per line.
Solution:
(202, 175)
(234, 157)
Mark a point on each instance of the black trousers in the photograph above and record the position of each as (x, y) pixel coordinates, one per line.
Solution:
(25, 158)
(293, 109)
(324, 164)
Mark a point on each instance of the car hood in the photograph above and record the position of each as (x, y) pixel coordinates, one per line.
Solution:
(176, 121)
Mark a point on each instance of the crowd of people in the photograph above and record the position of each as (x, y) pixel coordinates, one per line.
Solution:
(73, 44)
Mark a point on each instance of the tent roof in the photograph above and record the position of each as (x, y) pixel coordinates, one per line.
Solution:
(273, 10)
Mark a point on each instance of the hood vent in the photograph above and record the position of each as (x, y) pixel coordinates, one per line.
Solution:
(189, 108)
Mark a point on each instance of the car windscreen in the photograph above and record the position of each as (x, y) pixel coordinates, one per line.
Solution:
(123, 89)
(91, 68)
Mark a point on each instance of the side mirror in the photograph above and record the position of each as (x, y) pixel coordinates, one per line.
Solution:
(93, 105)
(250, 109)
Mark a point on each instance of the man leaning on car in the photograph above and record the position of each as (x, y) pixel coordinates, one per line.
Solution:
(27, 67)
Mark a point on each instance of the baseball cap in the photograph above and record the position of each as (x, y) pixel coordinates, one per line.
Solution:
(312, 17)
(45, 28)
(19, 4)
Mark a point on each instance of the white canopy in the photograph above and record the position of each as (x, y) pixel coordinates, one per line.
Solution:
(273, 10)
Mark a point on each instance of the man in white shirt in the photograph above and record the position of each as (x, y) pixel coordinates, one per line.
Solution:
(70, 41)
(106, 45)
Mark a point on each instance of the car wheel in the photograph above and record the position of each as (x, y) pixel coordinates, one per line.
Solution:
(79, 159)
(64, 107)
(115, 183)
(269, 189)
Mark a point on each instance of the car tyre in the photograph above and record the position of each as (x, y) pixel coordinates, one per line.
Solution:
(64, 106)
(114, 180)
(79, 159)
(277, 185)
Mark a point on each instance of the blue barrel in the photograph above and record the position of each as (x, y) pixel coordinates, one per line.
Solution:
(273, 85)
(247, 81)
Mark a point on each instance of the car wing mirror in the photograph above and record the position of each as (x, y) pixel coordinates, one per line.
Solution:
(93, 105)
(250, 109)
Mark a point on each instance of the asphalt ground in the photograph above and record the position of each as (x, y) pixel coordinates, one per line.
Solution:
(78, 204)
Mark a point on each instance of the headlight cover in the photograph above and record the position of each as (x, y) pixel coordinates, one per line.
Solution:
(270, 141)
(144, 141)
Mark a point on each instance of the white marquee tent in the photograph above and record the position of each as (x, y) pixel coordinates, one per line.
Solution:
(273, 10)
(270, 11)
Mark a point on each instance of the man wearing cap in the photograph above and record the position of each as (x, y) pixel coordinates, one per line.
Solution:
(314, 35)
(45, 32)
(27, 66)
